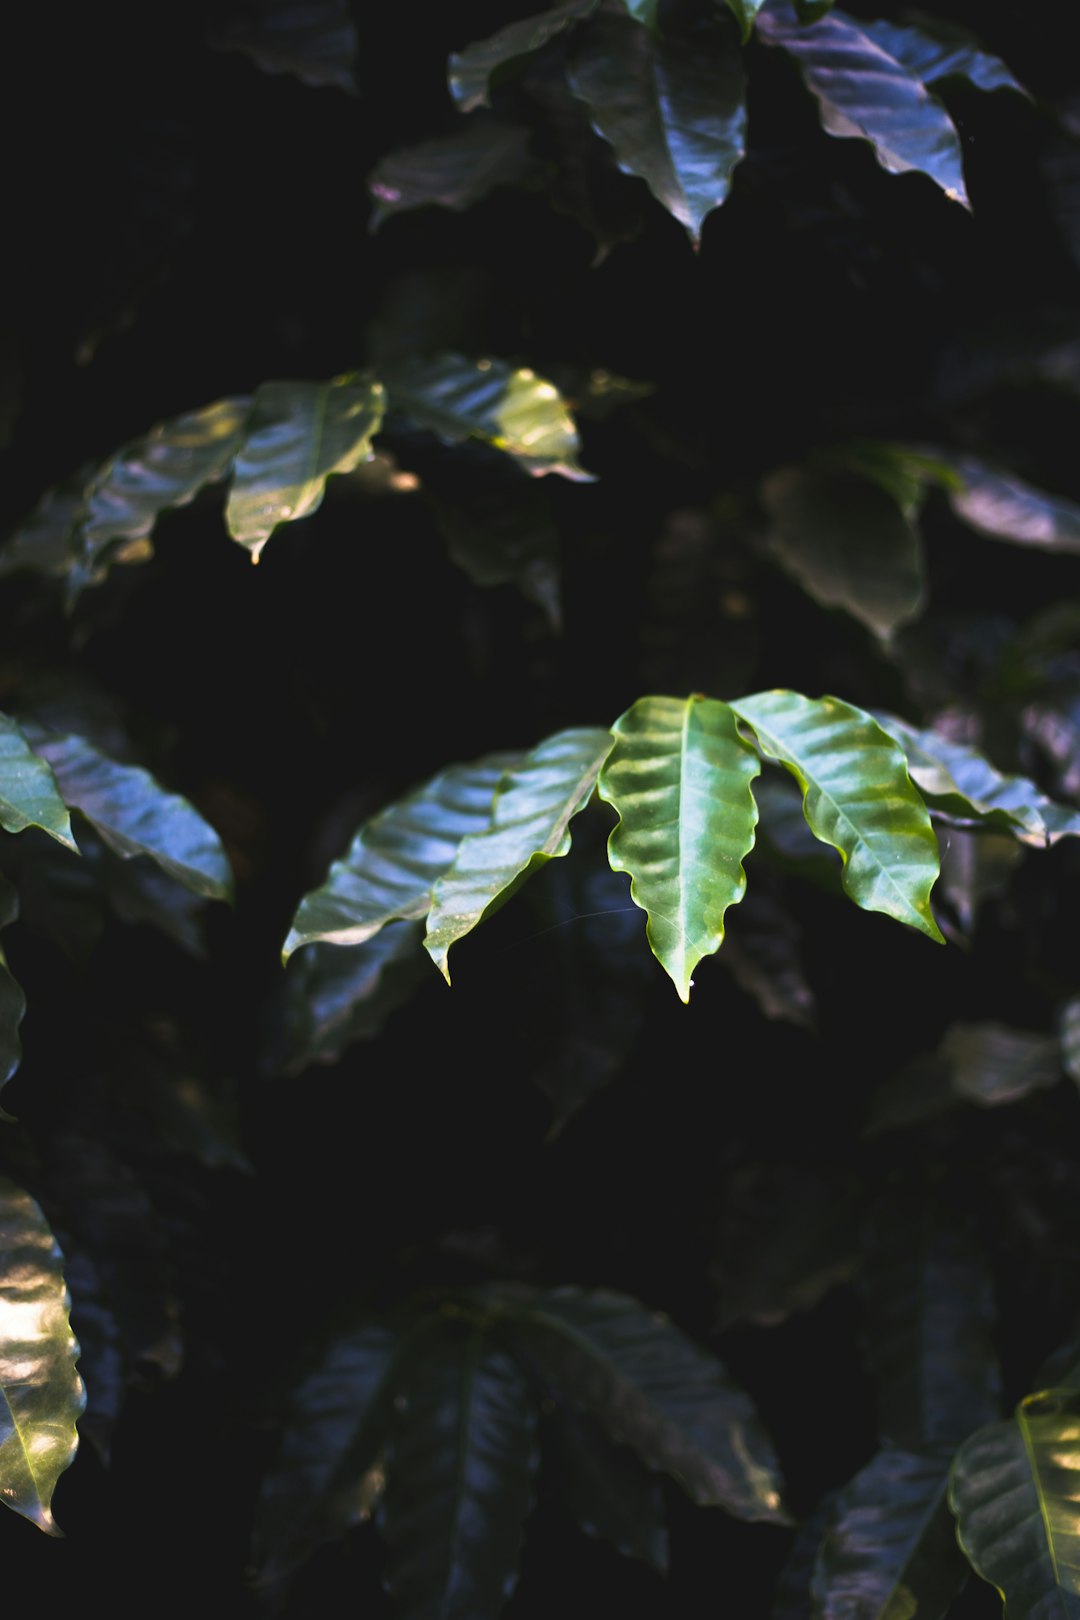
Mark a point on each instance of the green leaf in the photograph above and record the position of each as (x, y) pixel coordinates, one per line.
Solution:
(935, 50)
(164, 469)
(41, 1394)
(453, 172)
(609, 1493)
(809, 11)
(298, 434)
(999, 504)
(335, 996)
(1013, 1489)
(136, 816)
(857, 796)
(652, 1389)
(530, 824)
(785, 1237)
(848, 542)
(957, 779)
(29, 794)
(864, 92)
(43, 543)
(314, 39)
(501, 531)
(992, 1064)
(679, 779)
(333, 1430)
(744, 12)
(12, 1000)
(396, 859)
(673, 110)
(645, 11)
(460, 1469)
(514, 410)
(976, 866)
(890, 1551)
(473, 70)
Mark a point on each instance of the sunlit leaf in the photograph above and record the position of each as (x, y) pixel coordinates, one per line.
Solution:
(607, 1490)
(864, 92)
(29, 793)
(314, 39)
(460, 1467)
(890, 1548)
(1013, 1489)
(41, 1394)
(934, 49)
(136, 816)
(333, 1430)
(12, 1000)
(679, 779)
(652, 1389)
(395, 859)
(530, 824)
(857, 796)
(673, 110)
(848, 542)
(514, 410)
(453, 171)
(335, 996)
(297, 435)
(999, 504)
(473, 70)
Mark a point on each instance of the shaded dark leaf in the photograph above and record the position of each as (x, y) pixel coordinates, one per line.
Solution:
(934, 48)
(501, 532)
(314, 39)
(999, 504)
(762, 954)
(453, 172)
(473, 71)
(607, 1490)
(334, 996)
(12, 1000)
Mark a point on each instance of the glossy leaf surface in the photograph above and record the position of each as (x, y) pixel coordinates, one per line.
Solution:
(460, 1467)
(473, 70)
(41, 1394)
(297, 435)
(136, 816)
(857, 796)
(999, 504)
(29, 793)
(514, 410)
(679, 779)
(673, 110)
(654, 1390)
(396, 859)
(1014, 1489)
(453, 172)
(314, 39)
(530, 824)
(848, 543)
(930, 53)
(864, 92)
(12, 1000)
(890, 1547)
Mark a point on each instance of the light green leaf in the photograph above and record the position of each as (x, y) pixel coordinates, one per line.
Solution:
(460, 1468)
(396, 859)
(864, 92)
(136, 816)
(679, 778)
(41, 1394)
(890, 1551)
(999, 504)
(473, 70)
(29, 794)
(957, 779)
(453, 171)
(652, 1388)
(934, 50)
(857, 796)
(673, 110)
(1014, 1489)
(848, 542)
(298, 434)
(514, 410)
(314, 39)
(530, 824)
(12, 1000)
(744, 12)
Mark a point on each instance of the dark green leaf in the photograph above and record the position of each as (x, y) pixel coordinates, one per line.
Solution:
(848, 543)
(396, 858)
(297, 435)
(460, 1469)
(453, 172)
(998, 504)
(41, 1394)
(935, 50)
(679, 779)
(809, 11)
(12, 1000)
(652, 1389)
(336, 996)
(890, 1548)
(761, 952)
(136, 816)
(857, 796)
(29, 793)
(975, 867)
(1013, 1489)
(514, 410)
(333, 1431)
(44, 543)
(473, 70)
(862, 91)
(501, 531)
(607, 1490)
(1069, 1031)
(530, 825)
(992, 1064)
(314, 39)
(673, 110)
(744, 12)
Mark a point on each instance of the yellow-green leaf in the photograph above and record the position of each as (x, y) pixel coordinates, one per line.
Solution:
(29, 794)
